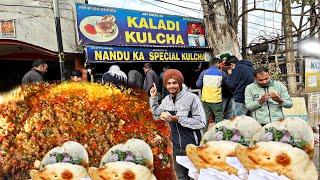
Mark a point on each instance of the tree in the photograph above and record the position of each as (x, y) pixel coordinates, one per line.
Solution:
(291, 64)
(221, 34)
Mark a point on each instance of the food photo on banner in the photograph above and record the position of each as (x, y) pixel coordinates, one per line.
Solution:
(114, 26)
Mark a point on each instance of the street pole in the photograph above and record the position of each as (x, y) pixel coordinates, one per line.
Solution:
(244, 28)
(59, 39)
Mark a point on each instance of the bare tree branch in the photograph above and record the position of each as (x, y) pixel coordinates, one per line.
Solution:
(301, 17)
(274, 11)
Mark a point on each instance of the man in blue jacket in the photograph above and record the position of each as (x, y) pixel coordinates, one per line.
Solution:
(210, 80)
(240, 76)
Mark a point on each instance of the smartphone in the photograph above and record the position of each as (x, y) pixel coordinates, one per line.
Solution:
(173, 113)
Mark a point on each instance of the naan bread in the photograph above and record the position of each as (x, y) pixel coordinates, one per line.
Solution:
(278, 157)
(213, 155)
(121, 170)
(60, 171)
(297, 127)
(245, 124)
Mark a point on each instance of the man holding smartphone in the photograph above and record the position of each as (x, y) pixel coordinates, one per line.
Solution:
(184, 113)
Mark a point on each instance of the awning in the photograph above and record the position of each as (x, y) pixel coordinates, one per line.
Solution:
(18, 50)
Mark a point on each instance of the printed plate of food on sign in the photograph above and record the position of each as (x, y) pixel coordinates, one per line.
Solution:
(99, 28)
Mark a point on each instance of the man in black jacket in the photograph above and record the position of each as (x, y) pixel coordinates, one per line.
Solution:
(240, 75)
(36, 74)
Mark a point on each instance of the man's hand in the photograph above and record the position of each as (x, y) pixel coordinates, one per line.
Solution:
(276, 97)
(153, 91)
(264, 98)
(166, 116)
(231, 67)
(174, 118)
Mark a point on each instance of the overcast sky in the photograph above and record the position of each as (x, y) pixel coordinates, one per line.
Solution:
(259, 23)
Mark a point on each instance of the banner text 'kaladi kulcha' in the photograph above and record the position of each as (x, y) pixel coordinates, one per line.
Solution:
(153, 38)
(149, 56)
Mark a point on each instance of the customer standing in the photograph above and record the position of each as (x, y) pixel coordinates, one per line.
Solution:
(150, 78)
(210, 80)
(114, 75)
(36, 74)
(135, 79)
(266, 97)
(240, 75)
(184, 113)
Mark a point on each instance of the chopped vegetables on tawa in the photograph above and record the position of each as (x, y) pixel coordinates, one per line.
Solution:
(96, 116)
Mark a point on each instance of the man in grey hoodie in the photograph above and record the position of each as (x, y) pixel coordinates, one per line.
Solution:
(184, 113)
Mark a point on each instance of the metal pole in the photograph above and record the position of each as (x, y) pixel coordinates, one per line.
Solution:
(59, 39)
(244, 28)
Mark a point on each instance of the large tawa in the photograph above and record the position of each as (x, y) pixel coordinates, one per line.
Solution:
(38, 117)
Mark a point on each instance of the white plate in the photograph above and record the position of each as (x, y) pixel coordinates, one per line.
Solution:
(93, 20)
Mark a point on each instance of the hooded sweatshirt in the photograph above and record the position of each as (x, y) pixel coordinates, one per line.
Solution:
(241, 77)
(189, 110)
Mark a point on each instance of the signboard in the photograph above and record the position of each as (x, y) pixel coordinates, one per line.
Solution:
(7, 29)
(101, 54)
(312, 75)
(99, 25)
(299, 108)
(314, 109)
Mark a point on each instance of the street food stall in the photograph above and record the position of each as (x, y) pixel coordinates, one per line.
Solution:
(131, 38)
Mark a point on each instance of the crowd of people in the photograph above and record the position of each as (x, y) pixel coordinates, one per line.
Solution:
(230, 87)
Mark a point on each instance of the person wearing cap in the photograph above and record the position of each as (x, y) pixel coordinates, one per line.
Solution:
(150, 77)
(36, 74)
(184, 113)
(210, 80)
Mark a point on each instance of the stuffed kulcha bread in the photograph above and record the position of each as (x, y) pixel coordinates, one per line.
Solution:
(239, 129)
(213, 154)
(60, 171)
(63, 162)
(278, 157)
(70, 152)
(131, 160)
(294, 131)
